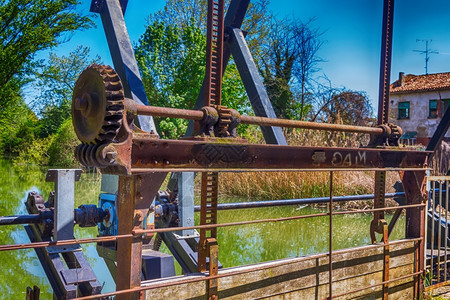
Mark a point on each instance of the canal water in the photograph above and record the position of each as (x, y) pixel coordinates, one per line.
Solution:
(237, 245)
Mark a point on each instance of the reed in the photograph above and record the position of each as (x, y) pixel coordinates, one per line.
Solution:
(290, 185)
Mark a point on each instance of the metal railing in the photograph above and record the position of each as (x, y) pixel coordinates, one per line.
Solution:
(437, 236)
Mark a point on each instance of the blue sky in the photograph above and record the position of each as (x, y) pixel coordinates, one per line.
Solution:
(352, 36)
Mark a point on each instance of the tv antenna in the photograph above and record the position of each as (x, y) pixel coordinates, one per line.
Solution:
(427, 53)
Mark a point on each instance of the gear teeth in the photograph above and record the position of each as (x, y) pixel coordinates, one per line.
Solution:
(114, 108)
(224, 121)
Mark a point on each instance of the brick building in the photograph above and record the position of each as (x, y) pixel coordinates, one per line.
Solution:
(418, 103)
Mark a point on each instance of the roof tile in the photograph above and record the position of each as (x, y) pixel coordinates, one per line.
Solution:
(421, 83)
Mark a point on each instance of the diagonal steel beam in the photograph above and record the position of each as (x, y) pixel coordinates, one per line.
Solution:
(440, 132)
(112, 15)
(254, 86)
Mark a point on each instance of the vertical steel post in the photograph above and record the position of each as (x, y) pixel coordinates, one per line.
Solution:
(432, 203)
(387, 259)
(446, 228)
(439, 234)
(413, 185)
(330, 274)
(129, 250)
(186, 202)
(383, 108)
(385, 63)
(212, 249)
(64, 180)
(208, 215)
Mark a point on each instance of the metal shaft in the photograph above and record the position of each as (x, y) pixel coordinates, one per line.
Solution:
(24, 219)
(263, 121)
(286, 202)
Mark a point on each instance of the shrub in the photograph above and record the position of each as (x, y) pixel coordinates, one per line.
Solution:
(62, 147)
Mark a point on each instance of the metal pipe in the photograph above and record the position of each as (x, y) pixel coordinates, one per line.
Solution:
(262, 121)
(170, 229)
(21, 219)
(285, 202)
(167, 112)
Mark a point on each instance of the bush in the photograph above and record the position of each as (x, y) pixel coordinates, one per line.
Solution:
(62, 147)
(35, 153)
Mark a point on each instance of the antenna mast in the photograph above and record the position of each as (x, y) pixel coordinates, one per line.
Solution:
(427, 52)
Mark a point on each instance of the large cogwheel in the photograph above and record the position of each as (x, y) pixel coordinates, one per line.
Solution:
(98, 105)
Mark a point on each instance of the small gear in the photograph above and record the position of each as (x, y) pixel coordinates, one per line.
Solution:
(224, 121)
(98, 105)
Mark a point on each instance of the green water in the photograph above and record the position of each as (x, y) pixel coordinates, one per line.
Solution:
(238, 245)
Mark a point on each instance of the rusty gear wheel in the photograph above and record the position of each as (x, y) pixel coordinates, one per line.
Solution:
(98, 105)
(221, 129)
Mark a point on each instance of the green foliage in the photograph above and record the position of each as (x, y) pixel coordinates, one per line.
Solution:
(30, 26)
(62, 147)
(172, 60)
(35, 153)
(16, 120)
(55, 80)
(56, 150)
(26, 28)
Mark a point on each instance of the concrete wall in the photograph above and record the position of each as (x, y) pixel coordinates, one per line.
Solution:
(307, 279)
(418, 115)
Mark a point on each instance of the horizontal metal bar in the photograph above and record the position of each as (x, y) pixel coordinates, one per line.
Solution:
(156, 111)
(209, 226)
(63, 242)
(437, 285)
(21, 219)
(225, 154)
(167, 112)
(248, 270)
(438, 178)
(348, 212)
(262, 121)
(286, 202)
(241, 170)
(170, 229)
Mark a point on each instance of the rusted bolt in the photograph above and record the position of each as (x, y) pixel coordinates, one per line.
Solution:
(111, 155)
(138, 217)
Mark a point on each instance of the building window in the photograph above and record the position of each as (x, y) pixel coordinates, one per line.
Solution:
(432, 111)
(403, 110)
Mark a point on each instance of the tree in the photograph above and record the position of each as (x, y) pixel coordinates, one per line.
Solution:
(291, 62)
(54, 81)
(29, 26)
(193, 13)
(172, 63)
(348, 107)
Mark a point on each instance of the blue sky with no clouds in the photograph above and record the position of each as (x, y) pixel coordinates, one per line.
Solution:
(352, 35)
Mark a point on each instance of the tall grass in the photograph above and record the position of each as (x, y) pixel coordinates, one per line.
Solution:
(290, 185)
